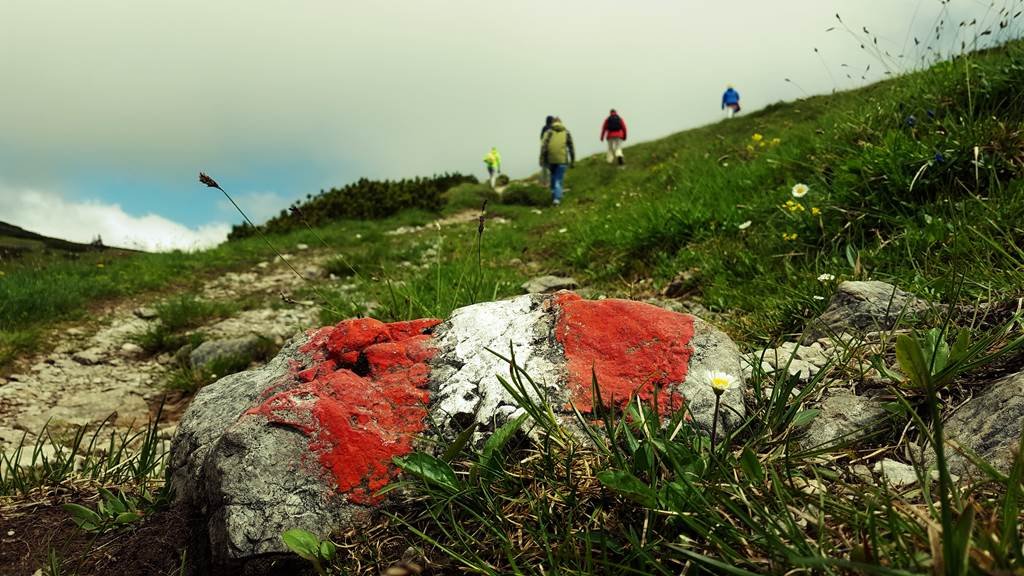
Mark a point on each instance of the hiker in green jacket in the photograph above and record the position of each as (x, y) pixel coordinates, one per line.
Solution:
(493, 162)
(557, 153)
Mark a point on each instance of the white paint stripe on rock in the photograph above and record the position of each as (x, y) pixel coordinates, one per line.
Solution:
(466, 375)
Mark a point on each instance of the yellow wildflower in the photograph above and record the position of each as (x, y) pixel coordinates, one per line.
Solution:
(815, 211)
(776, 141)
(750, 148)
(757, 137)
(793, 206)
(789, 236)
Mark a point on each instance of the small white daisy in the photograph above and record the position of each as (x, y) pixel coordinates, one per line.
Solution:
(826, 277)
(745, 225)
(800, 190)
(818, 297)
(720, 381)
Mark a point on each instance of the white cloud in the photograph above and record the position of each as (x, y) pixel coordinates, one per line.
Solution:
(50, 214)
(260, 206)
(339, 90)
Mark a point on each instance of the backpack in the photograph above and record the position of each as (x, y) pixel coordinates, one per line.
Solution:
(613, 124)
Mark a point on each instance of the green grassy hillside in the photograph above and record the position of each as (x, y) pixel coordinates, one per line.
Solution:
(16, 242)
(916, 181)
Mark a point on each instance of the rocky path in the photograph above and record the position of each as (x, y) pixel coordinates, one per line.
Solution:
(94, 371)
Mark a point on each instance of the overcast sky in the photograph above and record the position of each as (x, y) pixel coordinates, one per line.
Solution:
(108, 110)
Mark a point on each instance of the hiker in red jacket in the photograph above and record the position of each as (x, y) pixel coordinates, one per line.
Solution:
(614, 129)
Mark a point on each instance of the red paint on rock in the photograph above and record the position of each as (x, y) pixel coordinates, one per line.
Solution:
(633, 347)
(357, 423)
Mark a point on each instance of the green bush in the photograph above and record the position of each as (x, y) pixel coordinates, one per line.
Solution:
(364, 199)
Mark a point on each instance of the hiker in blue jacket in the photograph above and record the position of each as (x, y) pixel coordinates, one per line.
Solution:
(730, 102)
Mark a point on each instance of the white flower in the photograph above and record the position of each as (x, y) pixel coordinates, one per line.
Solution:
(359, 236)
(745, 225)
(800, 190)
(563, 230)
(826, 277)
(720, 381)
(818, 297)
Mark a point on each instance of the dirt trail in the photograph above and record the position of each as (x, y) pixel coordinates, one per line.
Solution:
(94, 371)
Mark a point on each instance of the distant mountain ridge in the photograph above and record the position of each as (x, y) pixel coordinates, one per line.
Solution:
(16, 241)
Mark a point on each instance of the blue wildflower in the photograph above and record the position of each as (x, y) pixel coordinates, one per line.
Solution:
(931, 114)
(910, 121)
(939, 158)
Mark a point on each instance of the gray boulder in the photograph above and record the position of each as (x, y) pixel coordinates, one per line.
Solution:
(307, 440)
(844, 417)
(990, 425)
(861, 307)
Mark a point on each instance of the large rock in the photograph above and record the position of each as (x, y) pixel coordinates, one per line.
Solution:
(860, 307)
(990, 425)
(308, 440)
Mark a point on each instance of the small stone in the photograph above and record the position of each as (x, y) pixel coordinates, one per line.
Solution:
(545, 284)
(896, 474)
(809, 486)
(131, 349)
(89, 356)
(312, 272)
(861, 471)
(934, 475)
(145, 312)
(263, 264)
(685, 283)
(248, 347)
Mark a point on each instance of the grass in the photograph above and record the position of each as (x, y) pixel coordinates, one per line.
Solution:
(85, 455)
(916, 181)
(176, 316)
